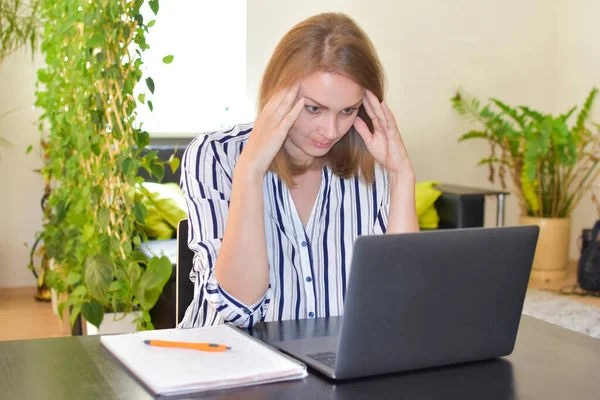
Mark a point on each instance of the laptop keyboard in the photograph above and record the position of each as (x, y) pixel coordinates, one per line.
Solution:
(327, 358)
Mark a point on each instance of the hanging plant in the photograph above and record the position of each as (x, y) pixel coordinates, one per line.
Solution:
(93, 52)
(20, 27)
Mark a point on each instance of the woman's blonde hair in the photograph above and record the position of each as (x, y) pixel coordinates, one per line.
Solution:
(329, 42)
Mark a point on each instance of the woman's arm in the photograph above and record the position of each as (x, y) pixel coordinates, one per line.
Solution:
(387, 147)
(403, 209)
(242, 267)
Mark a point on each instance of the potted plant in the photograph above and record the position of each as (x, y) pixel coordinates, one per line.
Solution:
(552, 165)
(94, 220)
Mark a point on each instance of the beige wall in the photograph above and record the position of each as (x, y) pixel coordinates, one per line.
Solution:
(430, 47)
(20, 187)
(578, 65)
(545, 55)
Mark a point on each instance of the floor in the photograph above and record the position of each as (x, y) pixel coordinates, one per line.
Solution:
(22, 317)
(556, 286)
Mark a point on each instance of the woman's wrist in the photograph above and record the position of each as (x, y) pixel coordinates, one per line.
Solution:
(402, 179)
(403, 213)
(248, 171)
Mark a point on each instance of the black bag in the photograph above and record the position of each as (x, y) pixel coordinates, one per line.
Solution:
(588, 271)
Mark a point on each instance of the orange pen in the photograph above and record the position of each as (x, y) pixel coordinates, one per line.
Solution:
(212, 347)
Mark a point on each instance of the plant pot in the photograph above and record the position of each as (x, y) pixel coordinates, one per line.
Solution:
(113, 323)
(552, 250)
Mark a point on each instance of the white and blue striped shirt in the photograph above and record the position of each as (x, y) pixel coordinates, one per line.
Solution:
(309, 267)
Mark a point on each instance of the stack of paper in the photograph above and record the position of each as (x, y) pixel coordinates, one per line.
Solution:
(170, 371)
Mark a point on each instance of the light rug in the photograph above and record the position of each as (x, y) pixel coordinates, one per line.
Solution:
(563, 311)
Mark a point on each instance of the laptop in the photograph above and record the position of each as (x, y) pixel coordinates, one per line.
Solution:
(426, 299)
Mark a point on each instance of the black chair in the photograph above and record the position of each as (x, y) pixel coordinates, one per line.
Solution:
(184, 287)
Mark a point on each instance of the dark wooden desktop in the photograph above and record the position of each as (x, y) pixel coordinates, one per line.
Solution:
(549, 362)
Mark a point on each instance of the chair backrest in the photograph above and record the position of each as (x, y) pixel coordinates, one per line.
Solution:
(185, 257)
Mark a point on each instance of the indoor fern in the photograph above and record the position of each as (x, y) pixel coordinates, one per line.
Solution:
(551, 165)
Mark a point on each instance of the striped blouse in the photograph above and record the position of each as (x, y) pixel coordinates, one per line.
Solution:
(308, 267)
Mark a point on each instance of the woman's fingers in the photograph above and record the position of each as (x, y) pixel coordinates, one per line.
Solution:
(287, 102)
(392, 126)
(363, 130)
(292, 116)
(378, 123)
(368, 108)
(275, 100)
(375, 105)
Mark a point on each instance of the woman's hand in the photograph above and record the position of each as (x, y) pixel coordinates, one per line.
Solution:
(387, 147)
(270, 130)
(384, 143)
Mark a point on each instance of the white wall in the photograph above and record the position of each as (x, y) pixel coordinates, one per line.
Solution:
(578, 64)
(20, 187)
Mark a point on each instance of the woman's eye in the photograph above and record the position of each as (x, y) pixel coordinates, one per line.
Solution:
(348, 111)
(313, 109)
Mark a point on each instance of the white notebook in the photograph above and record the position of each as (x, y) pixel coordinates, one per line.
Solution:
(172, 371)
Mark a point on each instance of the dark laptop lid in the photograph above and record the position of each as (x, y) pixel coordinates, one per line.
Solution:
(434, 298)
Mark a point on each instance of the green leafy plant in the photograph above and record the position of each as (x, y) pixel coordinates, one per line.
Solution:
(93, 224)
(20, 25)
(552, 165)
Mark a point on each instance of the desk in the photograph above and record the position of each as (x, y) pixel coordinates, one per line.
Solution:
(549, 362)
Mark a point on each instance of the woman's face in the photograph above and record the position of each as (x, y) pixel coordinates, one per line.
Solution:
(331, 105)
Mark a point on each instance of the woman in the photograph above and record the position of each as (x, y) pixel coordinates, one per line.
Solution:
(275, 206)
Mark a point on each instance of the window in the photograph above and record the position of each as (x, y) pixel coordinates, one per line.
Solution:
(204, 88)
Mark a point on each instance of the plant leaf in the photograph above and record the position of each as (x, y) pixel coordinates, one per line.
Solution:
(153, 6)
(150, 84)
(74, 314)
(103, 217)
(98, 274)
(93, 312)
(168, 59)
(96, 40)
(473, 134)
(153, 280)
(128, 166)
(140, 211)
(73, 278)
(174, 163)
(158, 170)
(142, 139)
(79, 291)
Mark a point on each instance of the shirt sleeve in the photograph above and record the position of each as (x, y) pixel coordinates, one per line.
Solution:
(206, 186)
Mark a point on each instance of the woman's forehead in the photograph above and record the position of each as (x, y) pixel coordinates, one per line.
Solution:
(331, 90)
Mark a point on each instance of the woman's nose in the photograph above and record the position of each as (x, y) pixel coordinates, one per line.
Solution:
(329, 129)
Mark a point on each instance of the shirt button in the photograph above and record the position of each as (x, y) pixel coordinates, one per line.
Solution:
(304, 244)
(309, 279)
(311, 314)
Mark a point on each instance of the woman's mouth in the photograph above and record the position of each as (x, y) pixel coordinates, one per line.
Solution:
(321, 145)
